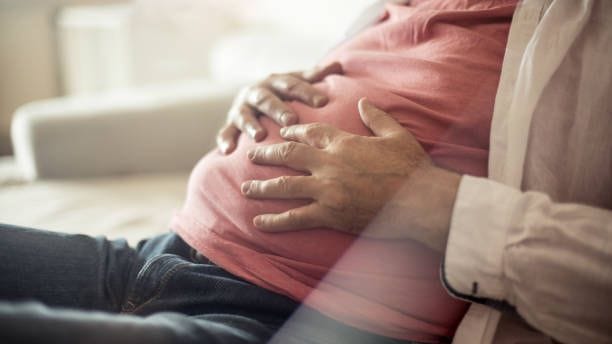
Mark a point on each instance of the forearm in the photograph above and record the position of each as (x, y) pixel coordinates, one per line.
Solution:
(426, 200)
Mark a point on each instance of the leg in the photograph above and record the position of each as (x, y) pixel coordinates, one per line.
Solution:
(174, 295)
(74, 271)
(174, 277)
(36, 323)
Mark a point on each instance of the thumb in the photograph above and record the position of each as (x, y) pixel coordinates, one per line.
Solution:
(319, 73)
(380, 122)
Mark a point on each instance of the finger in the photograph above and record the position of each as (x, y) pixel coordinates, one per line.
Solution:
(317, 135)
(266, 102)
(245, 119)
(305, 217)
(285, 187)
(295, 155)
(319, 73)
(293, 88)
(380, 122)
(227, 137)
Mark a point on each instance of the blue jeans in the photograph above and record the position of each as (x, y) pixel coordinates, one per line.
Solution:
(63, 288)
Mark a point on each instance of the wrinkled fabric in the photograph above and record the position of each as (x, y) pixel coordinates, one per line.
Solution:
(434, 66)
(546, 213)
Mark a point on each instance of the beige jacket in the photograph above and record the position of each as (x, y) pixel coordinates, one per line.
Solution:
(533, 243)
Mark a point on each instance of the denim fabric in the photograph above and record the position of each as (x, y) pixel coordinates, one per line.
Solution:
(63, 288)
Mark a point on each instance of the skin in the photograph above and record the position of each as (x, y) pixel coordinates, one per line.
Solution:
(355, 178)
(268, 98)
(383, 186)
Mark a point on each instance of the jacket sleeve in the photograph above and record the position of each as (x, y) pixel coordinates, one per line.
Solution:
(551, 261)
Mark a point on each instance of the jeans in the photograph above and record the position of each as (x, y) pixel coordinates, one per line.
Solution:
(64, 288)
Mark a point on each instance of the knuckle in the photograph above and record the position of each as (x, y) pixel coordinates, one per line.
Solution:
(259, 96)
(282, 183)
(287, 150)
(249, 92)
(292, 86)
(314, 130)
(225, 130)
(262, 98)
(293, 218)
(322, 135)
(285, 83)
(243, 115)
(242, 110)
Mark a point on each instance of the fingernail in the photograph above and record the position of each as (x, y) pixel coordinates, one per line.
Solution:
(244, 188)
(319, 100)
(224, 147)
(251, 131)
(287, 118)
(283, 132)
(364, 104)
(251, 154)
(257, 221)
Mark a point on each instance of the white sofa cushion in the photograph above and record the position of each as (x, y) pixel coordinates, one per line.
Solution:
(131, 207)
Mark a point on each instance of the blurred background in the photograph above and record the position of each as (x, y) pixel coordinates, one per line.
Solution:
(52, 48)
(105, 105)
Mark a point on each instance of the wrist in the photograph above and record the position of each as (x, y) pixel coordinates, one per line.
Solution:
(431, 193)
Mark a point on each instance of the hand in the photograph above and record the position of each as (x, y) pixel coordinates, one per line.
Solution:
(267, 98)
(352, 178)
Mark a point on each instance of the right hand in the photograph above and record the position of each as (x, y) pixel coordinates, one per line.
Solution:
(267, 98)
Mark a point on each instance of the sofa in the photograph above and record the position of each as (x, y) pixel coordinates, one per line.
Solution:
(116, 162)
(112, 164)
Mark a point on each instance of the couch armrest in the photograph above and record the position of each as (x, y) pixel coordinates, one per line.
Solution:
(154, 129)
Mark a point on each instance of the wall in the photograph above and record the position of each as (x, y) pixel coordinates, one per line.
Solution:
(28, 56)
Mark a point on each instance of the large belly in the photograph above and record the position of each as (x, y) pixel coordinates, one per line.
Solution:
(218, 179)
(408, 270)
(435, 85)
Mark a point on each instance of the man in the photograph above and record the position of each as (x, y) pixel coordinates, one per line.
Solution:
(218, 278)
(248, 316)
(540, 256)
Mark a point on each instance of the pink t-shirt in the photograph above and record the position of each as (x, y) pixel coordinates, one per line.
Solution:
(434, 66)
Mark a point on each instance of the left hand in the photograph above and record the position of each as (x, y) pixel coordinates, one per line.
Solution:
(351, 177)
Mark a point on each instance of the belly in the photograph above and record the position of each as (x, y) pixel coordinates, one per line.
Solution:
(438, 87)
(398, 274)
(216, 198)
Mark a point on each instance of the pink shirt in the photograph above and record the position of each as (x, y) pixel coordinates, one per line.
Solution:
(434, 66)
